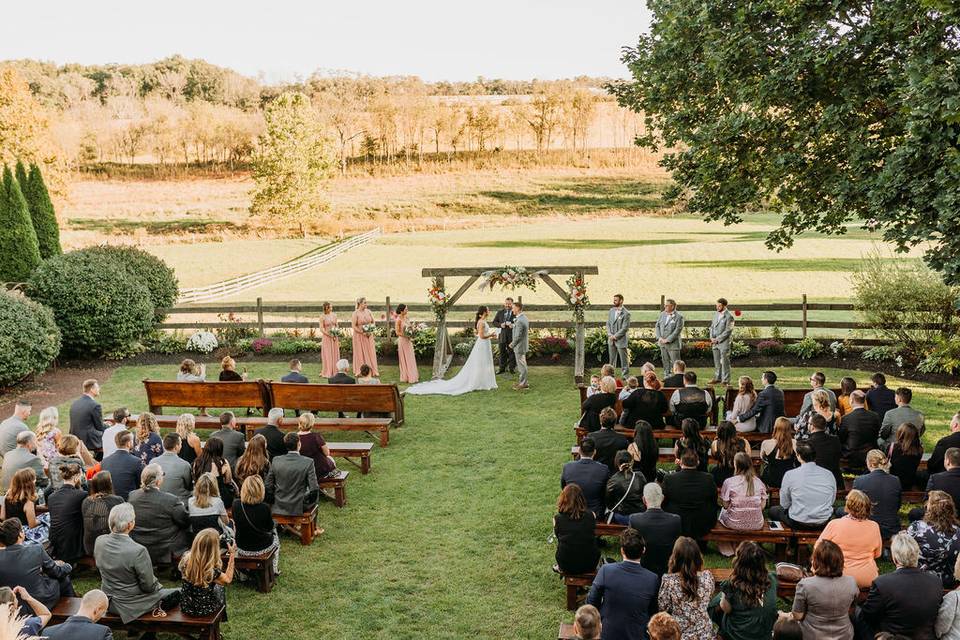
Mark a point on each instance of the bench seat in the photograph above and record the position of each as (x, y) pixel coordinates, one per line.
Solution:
(305, 526)
(573, 583)
(174, 623)
(377, 428)
(337, 482)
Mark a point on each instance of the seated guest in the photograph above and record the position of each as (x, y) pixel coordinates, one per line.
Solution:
(826, 448)
(820, 407)
(126, 571)
(228, 371)
(190, 371)
(292, 481)
(26, 627)
(625, 489)
(212, 461)
(686, 590)
(936, 464)
(768, 407)
(24, 456)
(690, 401)
(746, 607)
(893, 418)
(366, 375)
(858, 538)
(822, 602)
(190, 445)
(606, 371)
(659, 529)
(692, 495)
(272, 433)
(48, 435)
(177, 472)
(234, 442)
(817, 382)
(786, 628)
(746, 397)
(594, 385)
(592, 406)
(859, 431)
(743, 497)
(586, 623)
(83, 624)
(644, 450)
(29, 566)
(884, 492)
(313, 446)
(947, 626)
(71, 451)
(905, 454)
(254, 461)
(692, 440)
(296, 373)
(149, 444)
(163, 525)
(632, 385)
(590, 475)
(66, 516)
(121, 419)
(906, 601)
(203, 588)
(86, 416)
(206, 508)
(124, 467)
(20, 502)
(675, 379)
(341, 377)
(880, 399)
(807, 493)
(948, 480)
(14, 426)
(778, 454)
(255, 529)
(607, 441)
(938, 537)
(727, 445)
(573, 526)
(625, 592)
(647, 404)
(847, 386)
(96, 509)
(663, 626)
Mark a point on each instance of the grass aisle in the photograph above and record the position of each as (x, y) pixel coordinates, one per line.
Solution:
(446, 537)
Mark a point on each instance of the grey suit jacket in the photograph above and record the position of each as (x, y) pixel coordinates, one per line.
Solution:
(78, 628)
(618, 324)
(18, 459)
(126, 576)
(670, 328)
(291, 478)
(9, 430)
(521, 334)
(86, 421)
(807, 403)
(722, 327)
(234, 444)
(892, 420)
(162, 523)
(177, 475)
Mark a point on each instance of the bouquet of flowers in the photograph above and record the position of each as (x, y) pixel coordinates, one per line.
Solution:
(369, 328)
(202, 342)
(578, 298)
(438, 299)
(414, 329)
(337, 333)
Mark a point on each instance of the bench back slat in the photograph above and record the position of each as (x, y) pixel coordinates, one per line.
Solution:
(245, 395)
(792, 398)
(378, 398)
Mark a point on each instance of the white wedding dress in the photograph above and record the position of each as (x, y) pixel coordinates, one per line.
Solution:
(477, 374)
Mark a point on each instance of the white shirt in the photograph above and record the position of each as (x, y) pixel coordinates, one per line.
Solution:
(110, 438)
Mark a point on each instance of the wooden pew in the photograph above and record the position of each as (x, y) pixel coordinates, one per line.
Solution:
(573, 584)
(566, 631)
(338, 483)
(174, 623)
(667, 392)
(260, 566)
(244, 395)
(377, 428)
(792, 398)
(675, 434)
(304, 526)
(347, 398)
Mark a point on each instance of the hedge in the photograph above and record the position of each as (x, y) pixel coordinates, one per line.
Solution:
(29, 338)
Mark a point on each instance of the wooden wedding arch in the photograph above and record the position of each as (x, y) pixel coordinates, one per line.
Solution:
(443, 352)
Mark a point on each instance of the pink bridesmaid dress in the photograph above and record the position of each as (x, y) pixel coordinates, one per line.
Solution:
(329, 346)
(406, 355)
(364, 349)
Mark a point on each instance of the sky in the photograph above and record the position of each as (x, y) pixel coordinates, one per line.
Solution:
(283, 39)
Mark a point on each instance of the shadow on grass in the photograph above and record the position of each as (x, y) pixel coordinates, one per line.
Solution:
(155, 227)
(571, 243)
(778, 264)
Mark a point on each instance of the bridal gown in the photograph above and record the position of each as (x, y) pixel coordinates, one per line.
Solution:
(478, 374)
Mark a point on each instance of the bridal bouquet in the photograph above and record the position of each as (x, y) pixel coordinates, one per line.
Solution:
(337, 333)
(369, 328)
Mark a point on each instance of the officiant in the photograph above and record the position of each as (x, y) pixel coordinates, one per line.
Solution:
(504, 321)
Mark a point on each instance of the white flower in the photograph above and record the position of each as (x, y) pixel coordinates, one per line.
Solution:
(202, 342)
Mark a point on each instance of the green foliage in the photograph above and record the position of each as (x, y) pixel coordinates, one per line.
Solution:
(464, 348)
(822, 112)
(739, 350)
(424, 342)
(19, 253)
(698, 349)
(233, 334)
(769, 347)
(160, 280)
(882, 353)
(595, 345)
(642, 350)
(292, 346)
(549, 345)
(98, 307)
(42, 213)
(165, 342)
(776, 332)
(943, 358)
(805, 349)
(29, 338)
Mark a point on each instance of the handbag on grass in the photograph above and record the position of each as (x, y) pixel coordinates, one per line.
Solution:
(789, 572)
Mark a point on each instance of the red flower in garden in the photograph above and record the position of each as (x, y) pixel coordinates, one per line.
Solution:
(736, 312)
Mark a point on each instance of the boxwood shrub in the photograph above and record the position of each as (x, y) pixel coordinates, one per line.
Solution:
(29, 338)
(149, 269)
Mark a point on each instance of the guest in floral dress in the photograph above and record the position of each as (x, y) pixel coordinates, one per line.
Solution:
(330, 345)
(48, 435)
(743, 496)
(364, 348)
(686, 589)
(203, 590)
(405, 353)
(938, 536)
(149, 443)
(20, 502)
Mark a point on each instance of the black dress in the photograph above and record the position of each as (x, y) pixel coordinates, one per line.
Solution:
(255, 525)
(774, 468)
(721, 471)
(577, 550)
(230, 376)
(904, 466)
(205, 601)
(591, 408)
(95, 511)
(187, 452)
(15, 510)
(66, 523)
(644, 404)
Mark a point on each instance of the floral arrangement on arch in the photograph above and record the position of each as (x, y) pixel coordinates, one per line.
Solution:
(439, 299)
(578, 298)
(510, 278)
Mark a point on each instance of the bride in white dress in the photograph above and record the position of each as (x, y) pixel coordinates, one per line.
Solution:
(477, 374)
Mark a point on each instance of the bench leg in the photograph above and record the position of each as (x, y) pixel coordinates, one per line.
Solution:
(265, 578)
(385, 437)
(365, 464)
(340, 495)
(571, 597)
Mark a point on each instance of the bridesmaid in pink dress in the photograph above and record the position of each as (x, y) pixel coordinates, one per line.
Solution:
(364, 349)
(408, 360)
(330, 345)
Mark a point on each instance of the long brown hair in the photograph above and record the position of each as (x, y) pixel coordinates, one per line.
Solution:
(908, 439)
(200, 563)
(687, 561)
(572, 502)
(254, 459)
(783, 436)
(146, 424)
(941, 513)
(743, 466)
(750, 578)
(727, 444)
(23, 486)
(747, 388)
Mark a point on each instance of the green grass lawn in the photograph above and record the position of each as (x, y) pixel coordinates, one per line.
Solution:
(447, 536)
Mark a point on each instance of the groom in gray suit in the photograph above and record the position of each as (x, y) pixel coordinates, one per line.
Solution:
(668, 330)
(520, 343)
(721, 330)
(618, 323)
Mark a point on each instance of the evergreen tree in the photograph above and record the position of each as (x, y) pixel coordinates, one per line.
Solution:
(42, 213)
(19, 251)
(20, 174)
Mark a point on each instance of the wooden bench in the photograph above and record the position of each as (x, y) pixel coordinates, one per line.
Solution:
(338, 483)
(573, 583)
(305, 526)
(226, 395)
(174, 623)
(780, 538)
(260, 566)
(346, 398)
(792, 398)
(566, 631)
(712, 416)
(350, 450)
(675, 434)
(377, 428)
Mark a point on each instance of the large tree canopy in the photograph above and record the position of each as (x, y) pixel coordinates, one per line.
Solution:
(823, 111)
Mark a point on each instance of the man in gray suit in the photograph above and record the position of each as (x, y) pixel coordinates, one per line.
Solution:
(126, 572)
(721, 331)
(177, 472)
(163, 524)
(668, 330)
(618, 323)
(14, 426)
(292, 480)
(893, 418)
(234, 442)
(22, 457)
(520, 343)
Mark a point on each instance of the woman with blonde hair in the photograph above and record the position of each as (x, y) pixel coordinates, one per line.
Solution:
(821, 406)
(254, 461)
(255, 528)
(938, 536)
(202, 591)
(884, 492)
(20, 502)
(592, 406)
(206, 508)
(330, 344)
(778, 453)
(228, 371)
(191, 445)
(364, 347)
(313, 446)
(858, 537)
(48, 435)
(149, 444)
(746, 397)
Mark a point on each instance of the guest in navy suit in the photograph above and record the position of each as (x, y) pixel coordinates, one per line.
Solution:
(124, 467)
(83, 624)
(768, 407)
(296, 373)
(625, 592)
(590, 475)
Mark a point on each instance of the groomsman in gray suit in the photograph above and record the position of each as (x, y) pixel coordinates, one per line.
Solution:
(618, 323)
(721, 330)
(668, 330)
(520, 343)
